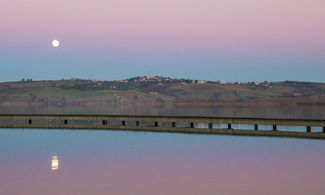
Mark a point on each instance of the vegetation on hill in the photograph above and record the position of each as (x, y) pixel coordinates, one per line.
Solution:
(156, 89)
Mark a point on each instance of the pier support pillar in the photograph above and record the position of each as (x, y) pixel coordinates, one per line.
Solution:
(192, 125)
(123, 123)
(210, 125)
(229, 126)
(256, 127)
(30, 121)
(308, 128)
(274, 128)
(173, 124)
(156, 124)
(137, 123)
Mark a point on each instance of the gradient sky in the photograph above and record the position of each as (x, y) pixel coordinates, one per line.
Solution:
(228, 40)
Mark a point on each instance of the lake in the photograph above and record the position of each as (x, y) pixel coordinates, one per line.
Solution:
(116, 162)
(176, 109)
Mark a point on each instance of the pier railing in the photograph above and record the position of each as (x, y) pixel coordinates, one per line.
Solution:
(180, 124)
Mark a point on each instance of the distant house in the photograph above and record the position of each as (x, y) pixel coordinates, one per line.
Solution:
(297, 94)
(150, 77)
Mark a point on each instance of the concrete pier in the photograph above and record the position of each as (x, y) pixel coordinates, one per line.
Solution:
(164, 124)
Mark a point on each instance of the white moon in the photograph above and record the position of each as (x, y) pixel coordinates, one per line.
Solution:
(55, 43)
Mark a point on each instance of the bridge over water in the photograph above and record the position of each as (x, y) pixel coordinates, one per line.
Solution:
(177, 124)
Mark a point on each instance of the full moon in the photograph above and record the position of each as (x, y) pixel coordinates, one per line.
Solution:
(55, 43)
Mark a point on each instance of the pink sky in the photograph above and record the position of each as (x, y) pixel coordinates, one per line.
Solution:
(209, 24)
(258, 32)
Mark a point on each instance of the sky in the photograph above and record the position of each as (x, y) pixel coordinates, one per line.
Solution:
(227, 40)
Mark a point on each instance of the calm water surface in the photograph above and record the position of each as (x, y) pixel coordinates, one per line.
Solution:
(187, 109)
(117, 162)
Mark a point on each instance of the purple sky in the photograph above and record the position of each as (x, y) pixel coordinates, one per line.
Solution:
(229, 40)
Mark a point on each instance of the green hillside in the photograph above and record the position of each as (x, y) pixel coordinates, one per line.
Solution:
(157, 89)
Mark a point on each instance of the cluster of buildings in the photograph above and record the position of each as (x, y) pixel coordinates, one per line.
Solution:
(161, 80)
(151, 78)
(165, 80)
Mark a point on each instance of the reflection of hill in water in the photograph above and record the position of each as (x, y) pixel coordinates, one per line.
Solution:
(186, 109)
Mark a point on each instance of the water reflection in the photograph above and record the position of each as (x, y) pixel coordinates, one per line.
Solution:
(120, 162)
(55, 163)
(184, 109)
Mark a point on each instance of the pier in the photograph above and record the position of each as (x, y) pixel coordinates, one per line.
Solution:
(176, 124)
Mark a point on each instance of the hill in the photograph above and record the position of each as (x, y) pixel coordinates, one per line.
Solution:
(78, 92)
